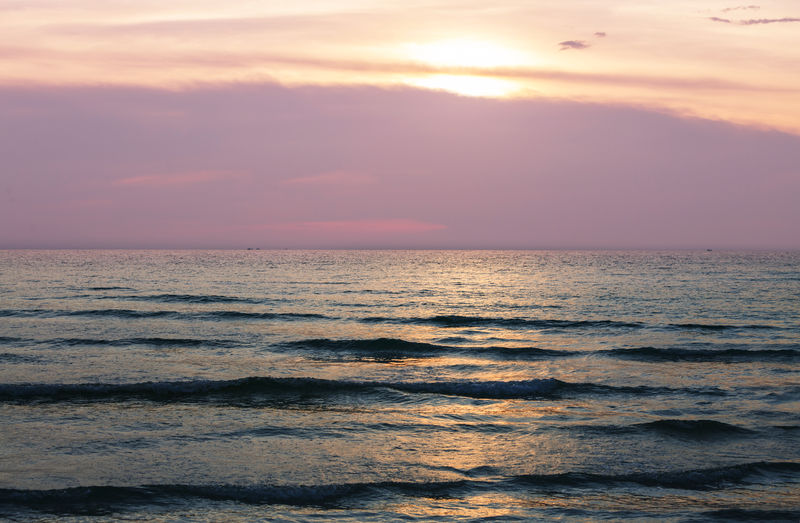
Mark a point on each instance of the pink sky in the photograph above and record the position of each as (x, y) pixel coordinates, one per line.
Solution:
(269, 166)
(354, 123)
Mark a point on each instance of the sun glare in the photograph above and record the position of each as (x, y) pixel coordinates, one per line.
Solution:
(464, 53)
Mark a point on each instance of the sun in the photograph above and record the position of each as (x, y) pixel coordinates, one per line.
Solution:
(465, 53)
(464, 66)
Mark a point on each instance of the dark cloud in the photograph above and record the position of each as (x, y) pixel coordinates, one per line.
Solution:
(740, 7)
(754, 21)
(600, 34)
(573, 44)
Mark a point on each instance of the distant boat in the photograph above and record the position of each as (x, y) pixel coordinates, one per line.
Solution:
(709, 250)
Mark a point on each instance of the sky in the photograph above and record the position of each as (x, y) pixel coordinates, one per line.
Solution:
(414, 124)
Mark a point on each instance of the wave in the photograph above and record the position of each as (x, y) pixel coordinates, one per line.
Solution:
(101, 500)
(110, 288)
(122, 342)
(190, 298)
(719, 327)
(738, 514)
(477, 321)
(703, 355)
(10, 339)
(689, 429)
(252, 387)
(448, 320)
(134, 314)
(119, 313)
(240, 315)
(699, 479)
(258, 387)
(116, 313)
(394, 348)
(7, 357)
(698, 429)
(156, 342)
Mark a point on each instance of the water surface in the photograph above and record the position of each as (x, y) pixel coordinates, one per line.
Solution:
(379, 385)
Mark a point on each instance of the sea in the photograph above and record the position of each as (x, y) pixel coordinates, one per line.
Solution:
(399, 385)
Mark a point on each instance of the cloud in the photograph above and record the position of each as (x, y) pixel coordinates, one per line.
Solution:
(397, 226)
(740, 7)
(333, 178)
(573, 44)
(768, 21)
(754, 21)
(452, 171)
(600, 34)
(230, 60)
(176, 179)
(182, 27)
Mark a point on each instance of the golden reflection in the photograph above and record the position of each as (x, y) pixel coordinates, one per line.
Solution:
(490, 505)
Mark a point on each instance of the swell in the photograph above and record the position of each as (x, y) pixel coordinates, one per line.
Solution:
(155, 342)
(256, 387)
(699, 479)
(135, 314)
(99, 500)
(439, 320)
(190, 298)
(700, 429)
(394, 348)
(7, 357)
(718, 327)
(477, 321)
(240, 315)
(738, 514)
(704, 355)
(347, 430)
(448, 320)
(124, 342)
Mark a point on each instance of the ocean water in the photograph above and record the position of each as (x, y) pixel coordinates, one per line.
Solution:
(399, 385)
